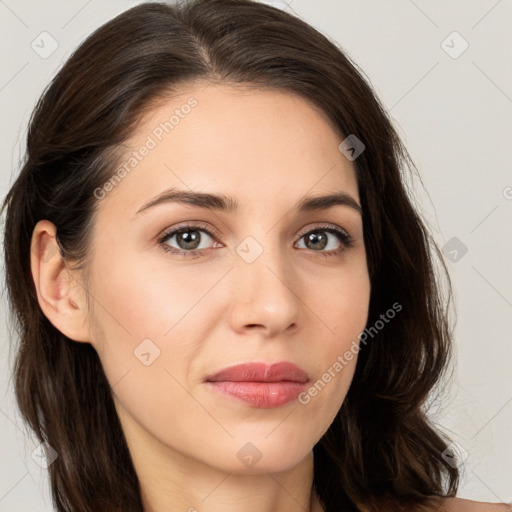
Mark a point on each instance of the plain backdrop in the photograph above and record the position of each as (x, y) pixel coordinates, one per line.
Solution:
(442, 70)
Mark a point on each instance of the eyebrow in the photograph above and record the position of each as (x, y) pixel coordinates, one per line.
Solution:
(228, 204)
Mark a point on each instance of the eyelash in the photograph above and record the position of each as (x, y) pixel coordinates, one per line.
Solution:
(345, 239)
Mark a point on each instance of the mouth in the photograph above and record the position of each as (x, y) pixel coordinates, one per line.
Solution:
(259, 384)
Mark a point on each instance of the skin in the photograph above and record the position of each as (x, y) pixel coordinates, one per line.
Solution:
(268, 150)
(463, 505)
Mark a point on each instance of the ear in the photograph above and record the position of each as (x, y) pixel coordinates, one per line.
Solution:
(60, 293)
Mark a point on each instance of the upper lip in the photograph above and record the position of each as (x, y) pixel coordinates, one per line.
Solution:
(260, 372)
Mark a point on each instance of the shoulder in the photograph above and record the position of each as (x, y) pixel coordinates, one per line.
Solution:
(462, 505)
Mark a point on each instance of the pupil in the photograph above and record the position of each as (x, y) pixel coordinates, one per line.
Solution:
(188, 239)
(315, 238)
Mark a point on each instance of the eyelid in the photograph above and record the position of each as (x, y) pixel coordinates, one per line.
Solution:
(191, 225)
(325, 226)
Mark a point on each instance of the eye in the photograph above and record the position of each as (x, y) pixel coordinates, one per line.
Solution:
(190, 240)
(195, 240)
(318, 239)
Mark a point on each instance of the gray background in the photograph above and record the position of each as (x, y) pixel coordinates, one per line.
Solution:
(453, 109)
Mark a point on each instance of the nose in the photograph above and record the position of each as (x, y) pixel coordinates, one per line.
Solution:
(265, 296)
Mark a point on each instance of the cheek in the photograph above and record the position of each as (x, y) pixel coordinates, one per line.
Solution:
(147, 334)
(144, 315)
(139, 301)
(343, 313)
(341, 304)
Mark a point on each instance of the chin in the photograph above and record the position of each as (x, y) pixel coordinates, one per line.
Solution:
(254, 454)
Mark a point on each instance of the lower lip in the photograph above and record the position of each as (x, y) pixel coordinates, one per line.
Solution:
(260, 394)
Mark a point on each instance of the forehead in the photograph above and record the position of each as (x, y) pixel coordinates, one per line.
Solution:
(248, 143)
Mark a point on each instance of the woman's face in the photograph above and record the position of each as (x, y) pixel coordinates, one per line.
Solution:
(260, 281)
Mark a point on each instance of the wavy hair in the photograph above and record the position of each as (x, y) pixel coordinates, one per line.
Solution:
(381, 452)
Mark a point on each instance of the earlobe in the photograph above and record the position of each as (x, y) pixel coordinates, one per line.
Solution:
(59, 292)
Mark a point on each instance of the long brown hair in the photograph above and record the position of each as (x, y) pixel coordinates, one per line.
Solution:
(381, 452)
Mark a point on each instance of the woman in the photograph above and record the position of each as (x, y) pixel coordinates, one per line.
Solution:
(225, 298)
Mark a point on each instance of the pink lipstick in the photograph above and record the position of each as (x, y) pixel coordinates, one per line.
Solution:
(259, 384)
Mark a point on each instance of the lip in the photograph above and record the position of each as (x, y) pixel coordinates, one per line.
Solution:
(259, 384)
(260, 372)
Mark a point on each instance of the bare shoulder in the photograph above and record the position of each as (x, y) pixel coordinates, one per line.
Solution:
(462, 505)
